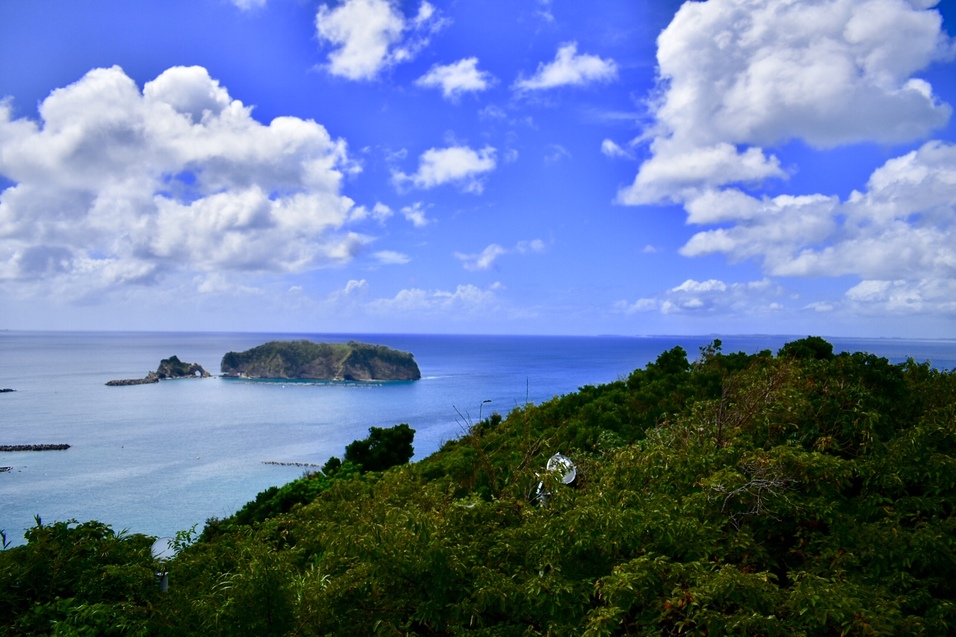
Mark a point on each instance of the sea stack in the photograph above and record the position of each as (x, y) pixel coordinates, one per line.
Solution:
(168, 368)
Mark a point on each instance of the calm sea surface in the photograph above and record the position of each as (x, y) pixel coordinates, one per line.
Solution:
(160, 458)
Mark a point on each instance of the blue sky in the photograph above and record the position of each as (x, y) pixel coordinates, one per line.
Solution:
(513, 167)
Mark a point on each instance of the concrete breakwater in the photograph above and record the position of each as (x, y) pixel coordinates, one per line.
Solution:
(4, 448)
(290, 464)
(151, 378)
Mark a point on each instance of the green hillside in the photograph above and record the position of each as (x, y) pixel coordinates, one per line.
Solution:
(802, 493)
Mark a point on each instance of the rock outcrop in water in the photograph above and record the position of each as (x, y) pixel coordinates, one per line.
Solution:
(168, 368)
(321, 361)
(57, 447)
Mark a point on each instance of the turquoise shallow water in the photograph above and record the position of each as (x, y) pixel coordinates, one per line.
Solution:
(160, 458)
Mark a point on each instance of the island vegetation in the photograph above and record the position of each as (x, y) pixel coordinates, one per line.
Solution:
(802, 493)
(169, 368)
(303, 359)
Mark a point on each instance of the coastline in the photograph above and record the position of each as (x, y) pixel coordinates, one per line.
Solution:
(159, 460)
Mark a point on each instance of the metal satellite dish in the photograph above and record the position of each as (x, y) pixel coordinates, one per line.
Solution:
(559, 463)
(162, 551)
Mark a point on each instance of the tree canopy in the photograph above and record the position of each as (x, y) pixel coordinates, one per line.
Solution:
(383, 449)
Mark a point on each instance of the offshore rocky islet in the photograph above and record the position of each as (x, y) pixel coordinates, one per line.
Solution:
(297, 360)
(169, 368)
(307, 360)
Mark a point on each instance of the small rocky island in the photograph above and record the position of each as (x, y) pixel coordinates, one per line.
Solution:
(168, 368)
(307, 360)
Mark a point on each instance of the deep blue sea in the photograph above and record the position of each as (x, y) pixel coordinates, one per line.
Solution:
(160, 458)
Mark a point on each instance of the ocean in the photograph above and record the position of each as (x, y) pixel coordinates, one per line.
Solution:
(164, 457)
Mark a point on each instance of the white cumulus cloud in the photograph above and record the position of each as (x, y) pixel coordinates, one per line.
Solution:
(902, 227)
(457, 78)
(456, 164)
(248, 5)
(379, 212)
(677, 174)
(352, 295)
(904, 297)
(355, 286)
(468, 299)
(415, 214)
(486, 259)
(113, 185)
(610, 148)
(708, 297)
(390, 257)
(368, 36)
(740, 75)
(569, 68)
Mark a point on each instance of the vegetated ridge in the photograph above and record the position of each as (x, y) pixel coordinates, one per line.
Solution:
(304, 359)
(802, 493)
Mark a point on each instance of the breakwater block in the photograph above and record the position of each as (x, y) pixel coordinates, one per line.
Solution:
(33, 447)
(289, 464)
(152, 378)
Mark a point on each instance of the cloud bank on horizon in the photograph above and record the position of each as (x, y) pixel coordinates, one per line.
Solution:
(729, 166)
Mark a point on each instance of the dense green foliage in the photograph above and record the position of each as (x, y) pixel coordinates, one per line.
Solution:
(383, 449)
(803, 494)
(383, 362)
(292, 353)
(77, 579)
(275, 501)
